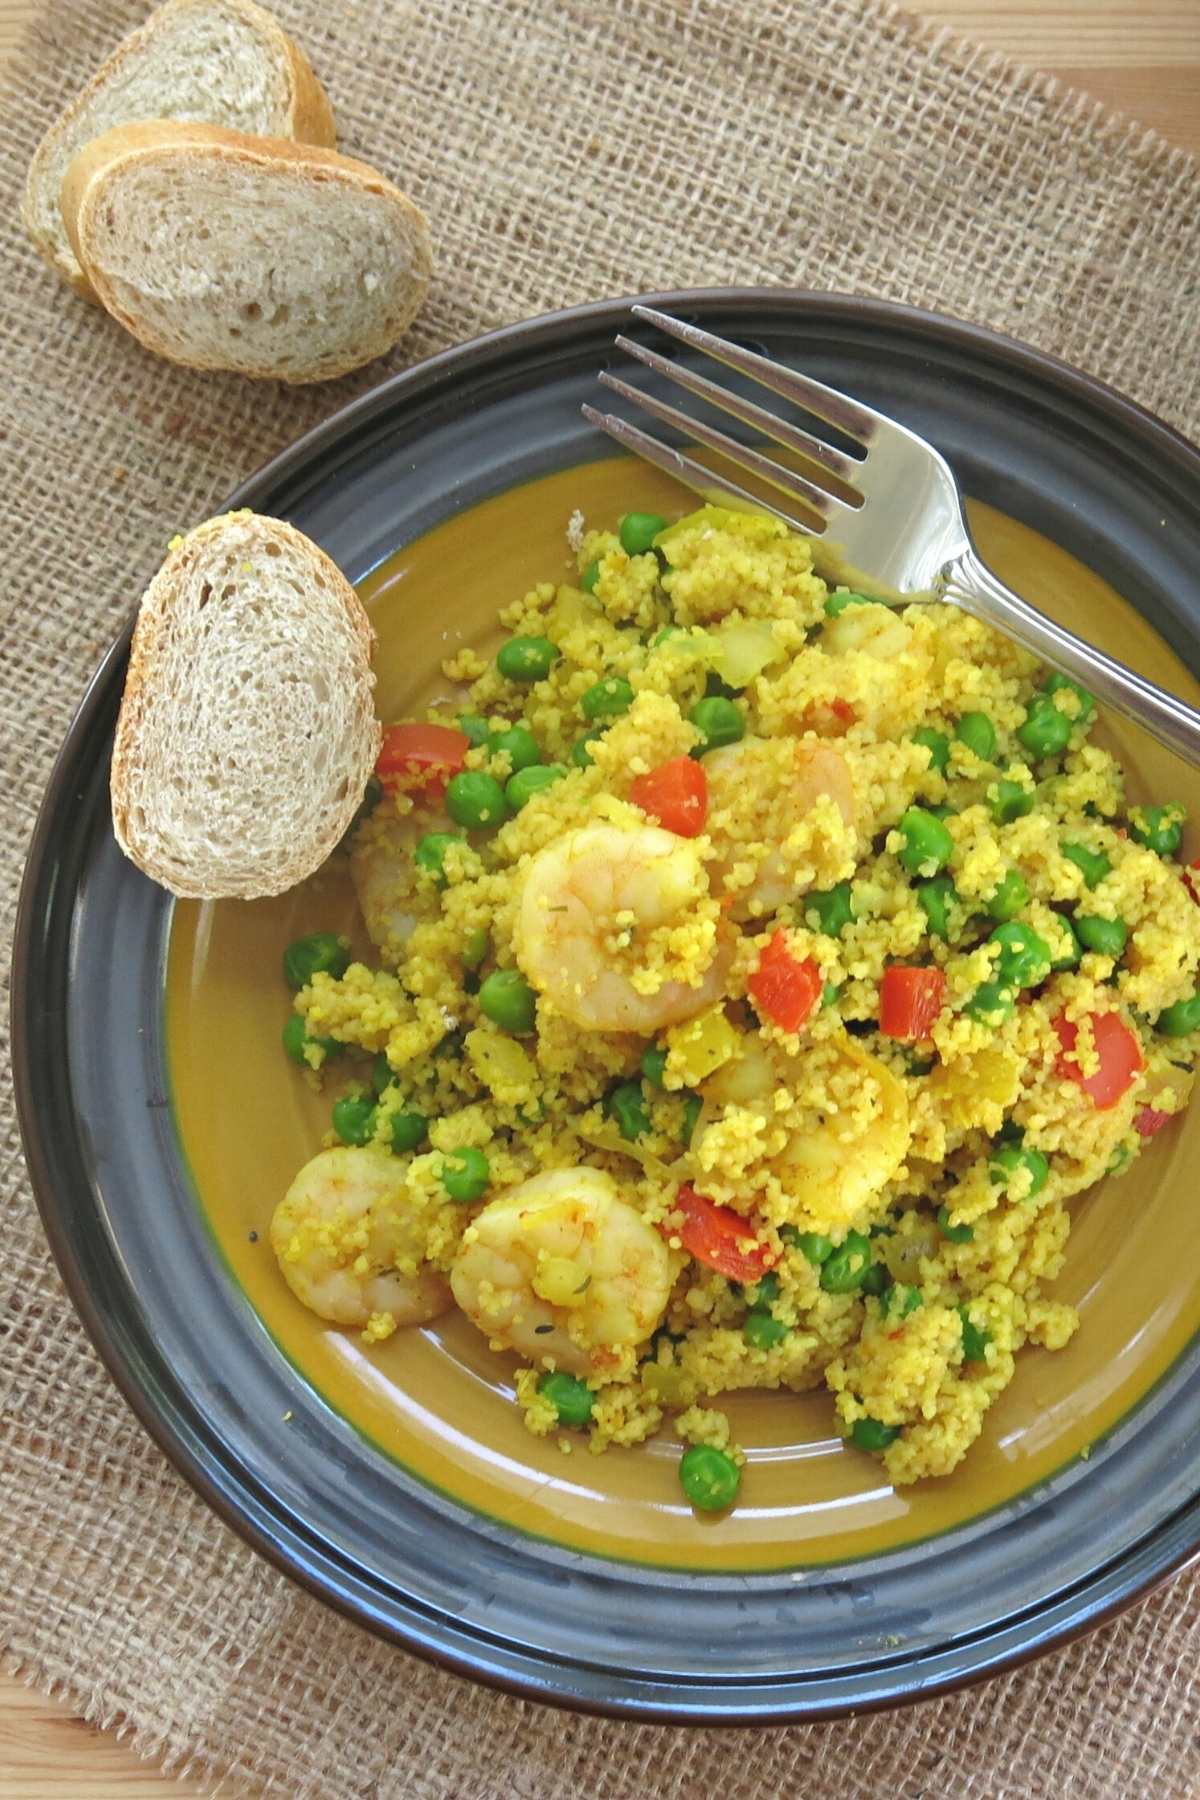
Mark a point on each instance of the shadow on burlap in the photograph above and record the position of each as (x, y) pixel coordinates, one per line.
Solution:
(563, 151)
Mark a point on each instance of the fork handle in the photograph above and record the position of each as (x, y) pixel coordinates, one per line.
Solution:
(969, 583)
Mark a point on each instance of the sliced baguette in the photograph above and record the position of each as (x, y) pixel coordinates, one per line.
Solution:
(256, 255)
(247, 729)
(224, 62)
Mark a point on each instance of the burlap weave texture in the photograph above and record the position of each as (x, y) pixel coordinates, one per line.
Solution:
(564, 151)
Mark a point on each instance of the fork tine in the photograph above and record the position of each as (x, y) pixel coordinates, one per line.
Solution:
(684, 468)
(748, 411)
(827, 403)
(741, 455)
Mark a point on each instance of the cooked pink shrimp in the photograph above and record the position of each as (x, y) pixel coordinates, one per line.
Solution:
(618, 929)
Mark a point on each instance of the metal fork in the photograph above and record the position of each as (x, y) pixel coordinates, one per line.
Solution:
(895, 514)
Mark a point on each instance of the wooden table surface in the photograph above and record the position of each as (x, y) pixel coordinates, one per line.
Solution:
(1142, 56)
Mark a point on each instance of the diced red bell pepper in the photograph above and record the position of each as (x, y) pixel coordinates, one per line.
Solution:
(1119, 1052)
(721, 1238)
(1150, 1120)
(783, 988)
(910, 1000)
(676, 794)
(421, 758)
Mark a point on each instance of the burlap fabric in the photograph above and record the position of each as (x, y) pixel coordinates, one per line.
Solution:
(564, 151)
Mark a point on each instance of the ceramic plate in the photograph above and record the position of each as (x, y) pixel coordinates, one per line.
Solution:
(161, 1121)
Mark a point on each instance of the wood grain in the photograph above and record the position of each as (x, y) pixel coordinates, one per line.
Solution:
(1140, 56)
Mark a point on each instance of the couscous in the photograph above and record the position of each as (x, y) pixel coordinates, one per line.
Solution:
(761, 969)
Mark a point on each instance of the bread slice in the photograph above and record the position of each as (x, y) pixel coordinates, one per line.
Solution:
(264, 257)
(225, 62)
(247, 729)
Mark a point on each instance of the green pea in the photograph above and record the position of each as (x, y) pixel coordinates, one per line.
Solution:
(321, 952)
(507, 999)
(296, 1039)
(476, 729)
(354, 1119)
(606, 699)
(1072, 950)
(990, 1003)
(816, 1246)
(382, 1074)
(938, 746)
(1120, 1160)
(829, 993)
(408, 1130)
(571, 1398)
(871, 1434)
(765, 1291)
(1181, 1019)
(1024, 958)
(977, 732)
(465, 1175)
(718, 722)
(691, 1112)
(935, 898)
(877, 1279)
(1107, 937)
(626, 1104)
(710, 1478)
(581, 756)
(975, 1338)
(954, 1234)
(430, 854)
(1159, 828)
(762, 1332)
(927, 845)
(900, 1300)
(1006, 1159)
(637, 532)
(1009, 896)
(836, 604)
(829, 909)
(843, 1270)
(476, 801)
(1093, 865)
(1008, 800)
(526, 658)
(518, 744)
(1054, 684)
(590, 576)
(1045, 731)
(654, 1064)
(520, 788)
(474, 947)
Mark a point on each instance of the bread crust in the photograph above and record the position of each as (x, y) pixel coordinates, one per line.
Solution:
(156, 141)
(133, 749)
(309, 116)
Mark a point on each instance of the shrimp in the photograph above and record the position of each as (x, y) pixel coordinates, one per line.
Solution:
(562, 1270)
(350, 1241)
(787, 779)
(384, 876)
(602, 910)
(831, 1169)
